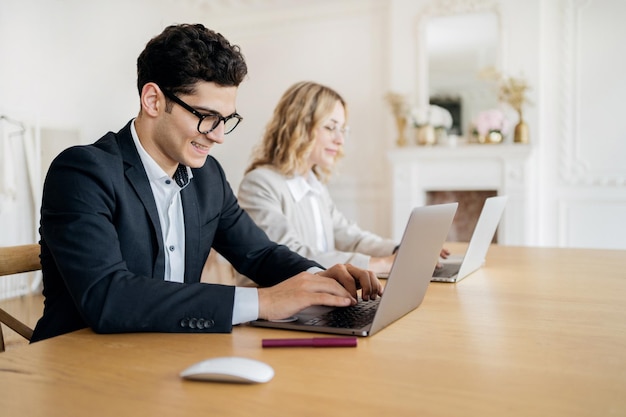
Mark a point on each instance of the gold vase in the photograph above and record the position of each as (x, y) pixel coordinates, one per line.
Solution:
(425, 135)
(401, 125)
(521, 132)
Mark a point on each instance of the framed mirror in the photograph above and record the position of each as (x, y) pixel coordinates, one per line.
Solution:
(457, 40)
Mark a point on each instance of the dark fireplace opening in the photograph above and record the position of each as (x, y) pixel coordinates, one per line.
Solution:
(470, 205)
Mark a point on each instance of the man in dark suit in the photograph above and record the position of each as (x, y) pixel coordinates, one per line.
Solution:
(127, 223)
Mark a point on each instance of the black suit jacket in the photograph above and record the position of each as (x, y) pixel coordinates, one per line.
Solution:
(102, 250)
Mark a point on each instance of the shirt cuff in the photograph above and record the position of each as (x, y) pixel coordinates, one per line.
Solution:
(246, 305)
(314, 270)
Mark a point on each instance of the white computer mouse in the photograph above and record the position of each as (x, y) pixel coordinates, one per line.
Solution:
(229, 369)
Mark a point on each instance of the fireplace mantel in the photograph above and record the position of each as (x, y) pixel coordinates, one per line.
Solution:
(500, 167)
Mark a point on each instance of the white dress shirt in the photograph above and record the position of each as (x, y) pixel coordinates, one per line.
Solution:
(170, 208)
(310, 188)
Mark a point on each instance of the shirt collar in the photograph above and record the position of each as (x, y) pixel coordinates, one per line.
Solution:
(299, 186)
(154, 172)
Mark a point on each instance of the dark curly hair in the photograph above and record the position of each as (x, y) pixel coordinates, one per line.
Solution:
(184, 54)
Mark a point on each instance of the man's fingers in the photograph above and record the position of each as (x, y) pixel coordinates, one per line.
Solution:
(327, 285)
(326, 299)
(353, 278)
(340, 274)
(363, 279)
(300, 292)
(370, 285)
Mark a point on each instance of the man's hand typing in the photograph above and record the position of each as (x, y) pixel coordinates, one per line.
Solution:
(335, 287)
(353, 278)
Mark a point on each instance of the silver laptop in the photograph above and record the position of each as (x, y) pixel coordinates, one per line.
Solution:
(454, 268)
(408, 280)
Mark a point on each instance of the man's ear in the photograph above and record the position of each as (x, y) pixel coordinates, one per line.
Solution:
(152, 99)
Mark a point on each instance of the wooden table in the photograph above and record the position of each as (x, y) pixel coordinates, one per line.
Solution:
(536, 332)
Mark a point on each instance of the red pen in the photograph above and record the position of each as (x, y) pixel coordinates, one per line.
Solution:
(312, 342)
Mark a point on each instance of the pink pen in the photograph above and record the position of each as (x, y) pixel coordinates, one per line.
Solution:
(312, 342)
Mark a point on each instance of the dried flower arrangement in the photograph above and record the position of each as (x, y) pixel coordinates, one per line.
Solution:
(398, 104)
(514, 92)
(399, 108)
(510, 90)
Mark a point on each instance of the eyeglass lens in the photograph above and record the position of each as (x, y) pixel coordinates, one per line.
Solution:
(210, 122)
(337, 132)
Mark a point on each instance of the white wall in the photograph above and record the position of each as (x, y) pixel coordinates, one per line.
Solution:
(70, 65)
(581, 177)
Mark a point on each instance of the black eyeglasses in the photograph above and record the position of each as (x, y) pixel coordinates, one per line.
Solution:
(208, 122)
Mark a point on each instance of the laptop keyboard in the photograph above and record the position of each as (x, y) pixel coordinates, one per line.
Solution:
(353, 317)
(446, 270)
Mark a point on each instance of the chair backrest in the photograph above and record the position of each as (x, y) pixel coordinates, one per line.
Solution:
(16, 260)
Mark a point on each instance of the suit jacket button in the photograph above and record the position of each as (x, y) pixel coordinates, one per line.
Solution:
(184, 322)
(201, 324)
(209, 323)
(192, 323)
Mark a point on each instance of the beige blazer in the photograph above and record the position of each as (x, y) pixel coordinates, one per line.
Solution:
(265, 195)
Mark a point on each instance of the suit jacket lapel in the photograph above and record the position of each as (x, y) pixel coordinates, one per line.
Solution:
(136, 176)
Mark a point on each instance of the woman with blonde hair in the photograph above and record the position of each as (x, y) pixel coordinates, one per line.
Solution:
(284, 188)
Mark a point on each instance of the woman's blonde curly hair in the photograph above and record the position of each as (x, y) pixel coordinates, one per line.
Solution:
(290, 135)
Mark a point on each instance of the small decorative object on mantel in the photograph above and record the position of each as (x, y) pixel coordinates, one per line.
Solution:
(399, 109)
(490, 126)
(425, 135)
(431, 124)
(513, 91)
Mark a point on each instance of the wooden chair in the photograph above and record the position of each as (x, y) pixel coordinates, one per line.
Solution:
(16, 260)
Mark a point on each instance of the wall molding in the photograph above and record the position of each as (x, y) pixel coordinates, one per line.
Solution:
(447, 7)
(574, 169)
(258, 17)
(574, 210)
